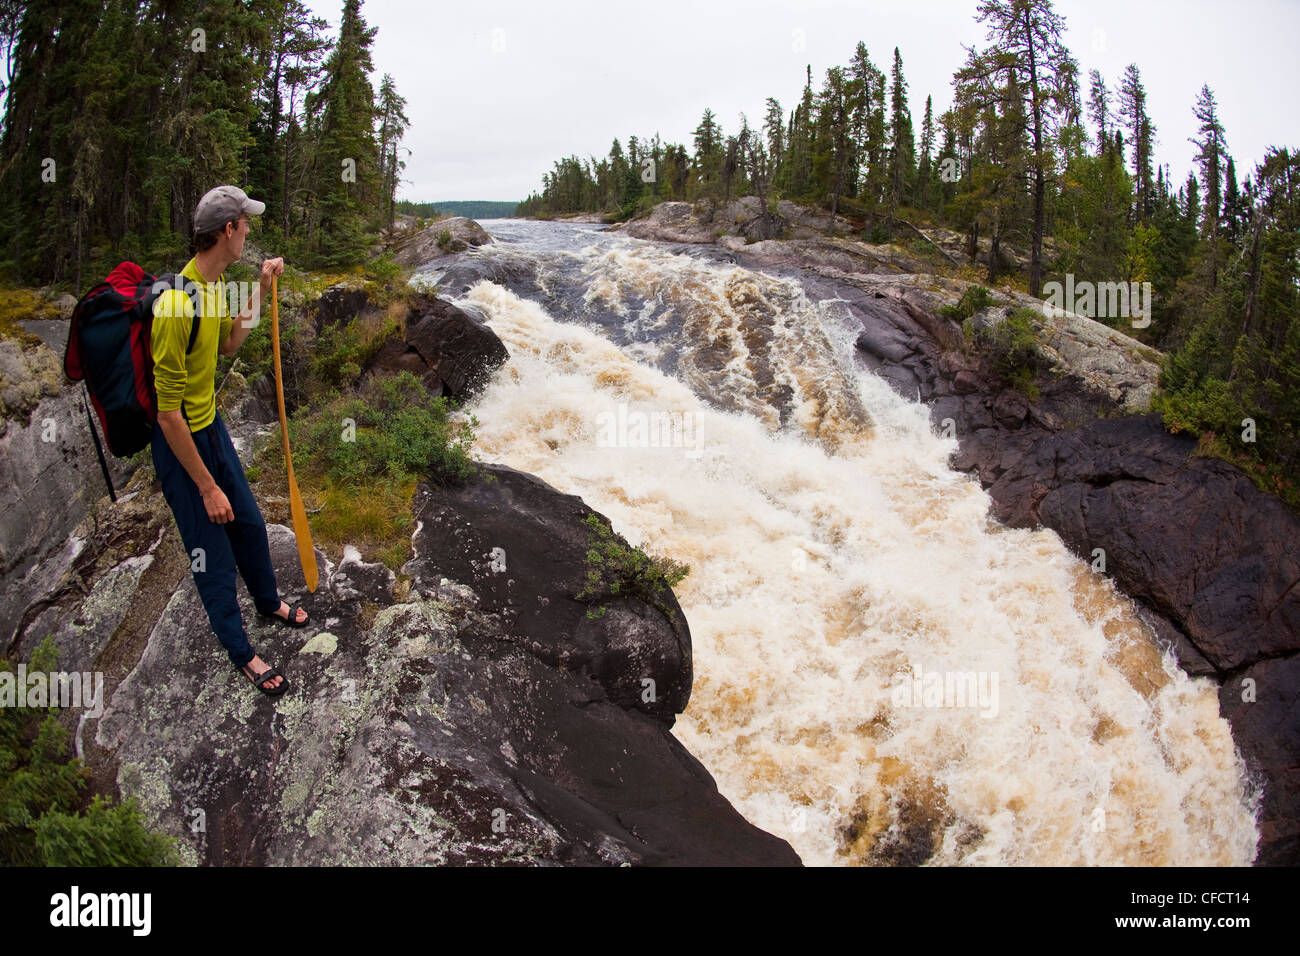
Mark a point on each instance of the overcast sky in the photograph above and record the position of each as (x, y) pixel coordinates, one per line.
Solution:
(498, 90)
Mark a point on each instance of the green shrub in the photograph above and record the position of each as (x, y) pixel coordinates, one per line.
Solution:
(341, 352)
(44, 817)
(1012, 346)
(615, 570)
(399, 431)
(358, 456)
(385, 269)
(975, 297)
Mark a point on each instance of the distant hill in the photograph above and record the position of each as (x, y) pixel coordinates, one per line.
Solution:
(474, 208)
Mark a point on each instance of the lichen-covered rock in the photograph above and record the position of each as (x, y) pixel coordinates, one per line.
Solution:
(49, 480)
(29, 372)
(446, 237)
(428, 730)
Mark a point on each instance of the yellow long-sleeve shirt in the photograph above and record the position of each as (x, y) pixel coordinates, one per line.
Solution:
(176, 376)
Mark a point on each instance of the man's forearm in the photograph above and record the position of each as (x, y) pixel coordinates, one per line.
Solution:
(177, 432)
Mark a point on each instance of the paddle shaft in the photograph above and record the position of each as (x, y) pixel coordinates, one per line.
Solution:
(301, 530)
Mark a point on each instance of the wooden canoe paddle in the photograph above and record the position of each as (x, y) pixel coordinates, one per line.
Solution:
(301, 531)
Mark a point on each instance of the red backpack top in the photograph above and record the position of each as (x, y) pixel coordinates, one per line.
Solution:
(108, 349)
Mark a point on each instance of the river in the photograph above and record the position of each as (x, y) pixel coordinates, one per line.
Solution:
(883, 674)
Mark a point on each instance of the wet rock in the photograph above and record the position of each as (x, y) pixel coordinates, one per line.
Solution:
(337, 306)
(521, 545)
(460, 352)
(1260, 702)
(889, 343)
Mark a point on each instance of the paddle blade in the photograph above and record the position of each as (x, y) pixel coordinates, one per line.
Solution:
(301, 531)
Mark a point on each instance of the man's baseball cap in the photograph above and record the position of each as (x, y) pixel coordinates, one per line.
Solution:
(222, 205)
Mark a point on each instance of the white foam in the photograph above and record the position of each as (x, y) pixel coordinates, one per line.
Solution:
(832, 557)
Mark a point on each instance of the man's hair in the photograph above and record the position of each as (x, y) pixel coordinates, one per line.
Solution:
(204, 241)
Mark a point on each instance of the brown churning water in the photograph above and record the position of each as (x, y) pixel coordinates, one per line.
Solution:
(882, 673)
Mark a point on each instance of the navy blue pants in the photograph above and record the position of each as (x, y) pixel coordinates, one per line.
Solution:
(217, 550)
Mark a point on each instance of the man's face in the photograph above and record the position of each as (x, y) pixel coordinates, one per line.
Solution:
(236, 233)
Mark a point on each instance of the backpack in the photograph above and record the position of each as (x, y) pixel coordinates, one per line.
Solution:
(108, 351)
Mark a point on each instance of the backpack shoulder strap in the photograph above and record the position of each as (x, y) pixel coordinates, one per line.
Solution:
(99, 450)
(177, 281)
(194, 327)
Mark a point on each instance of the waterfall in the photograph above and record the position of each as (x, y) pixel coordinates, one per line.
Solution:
(883, 674)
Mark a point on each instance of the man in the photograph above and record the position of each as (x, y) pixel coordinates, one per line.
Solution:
(201, 476)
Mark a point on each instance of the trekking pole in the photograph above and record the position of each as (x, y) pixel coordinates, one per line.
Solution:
(301, 531)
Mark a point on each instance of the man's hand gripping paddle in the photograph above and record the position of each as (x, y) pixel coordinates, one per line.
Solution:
(301, 531)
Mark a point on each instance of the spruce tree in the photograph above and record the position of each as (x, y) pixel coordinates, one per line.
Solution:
(833, 148)
(1231, 218)
(1211, 150)
(902, 142)
(347, 177)
(925, 168)
(393, 122)
(1027, 41)
(774, 131)
(708, 148)
(1099, 108)
(1133, 112)
(867, 92)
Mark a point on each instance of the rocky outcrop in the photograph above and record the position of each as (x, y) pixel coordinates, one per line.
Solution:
(337, 306)
(708, 220)
(472, 710)
(29, 372)
(825, 254)
(49, 476)
(453, 352)
(460, 350)
(521, 546)
(469, 712)
(435, 242)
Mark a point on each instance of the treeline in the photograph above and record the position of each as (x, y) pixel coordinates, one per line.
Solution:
(119, 115)
(1023, 158)
(471, 208)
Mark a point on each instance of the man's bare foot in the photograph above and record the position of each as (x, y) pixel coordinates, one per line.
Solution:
(259, 666)
(284, 613)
